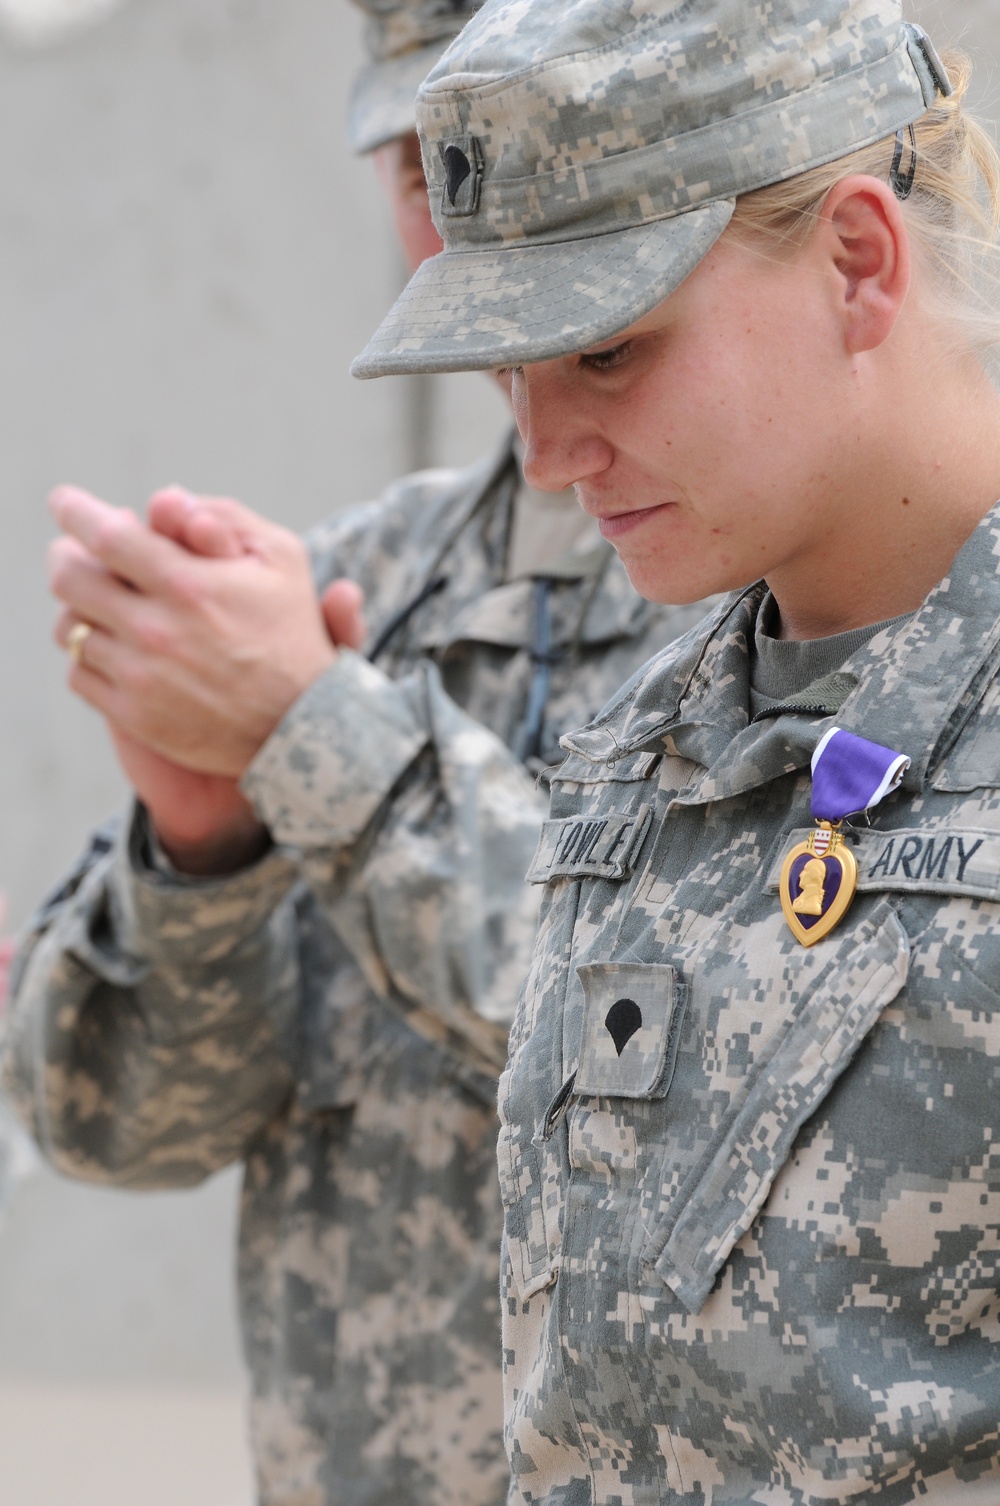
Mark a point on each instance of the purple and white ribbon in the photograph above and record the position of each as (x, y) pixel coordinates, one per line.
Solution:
(851, 774)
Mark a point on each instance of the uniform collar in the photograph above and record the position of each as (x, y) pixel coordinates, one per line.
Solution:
(500, 613)
(438, 529)
(914, 687)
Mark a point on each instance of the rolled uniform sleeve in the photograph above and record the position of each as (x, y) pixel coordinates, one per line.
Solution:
(143, 1035)
(330, 764)
(416, 826)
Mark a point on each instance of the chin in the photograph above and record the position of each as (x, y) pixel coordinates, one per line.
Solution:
(673, 580)
(675, 587)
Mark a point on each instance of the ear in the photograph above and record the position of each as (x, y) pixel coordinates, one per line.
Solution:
(863, 235)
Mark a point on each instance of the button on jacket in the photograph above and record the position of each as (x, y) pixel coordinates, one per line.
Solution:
(752, 1189)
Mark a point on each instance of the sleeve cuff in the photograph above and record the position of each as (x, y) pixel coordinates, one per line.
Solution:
(161, 915)
(324, 772)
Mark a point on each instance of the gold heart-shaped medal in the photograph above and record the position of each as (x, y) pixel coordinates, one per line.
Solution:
(819, 878)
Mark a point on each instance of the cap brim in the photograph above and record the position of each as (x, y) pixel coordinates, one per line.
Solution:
(383, 101)
(512, 305)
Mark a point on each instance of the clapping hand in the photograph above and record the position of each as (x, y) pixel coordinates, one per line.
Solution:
(204, 628)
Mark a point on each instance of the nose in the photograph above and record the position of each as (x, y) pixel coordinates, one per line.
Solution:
(562, 445)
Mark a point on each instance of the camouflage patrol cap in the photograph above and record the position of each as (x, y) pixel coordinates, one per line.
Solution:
(584, 156)
(403, 40)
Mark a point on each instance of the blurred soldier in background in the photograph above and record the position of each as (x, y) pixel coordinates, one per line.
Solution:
(302, 945)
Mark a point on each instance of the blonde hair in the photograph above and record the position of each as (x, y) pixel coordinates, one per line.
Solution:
(953, 212)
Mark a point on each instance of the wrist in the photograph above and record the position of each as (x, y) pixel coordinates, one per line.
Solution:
(216, 852)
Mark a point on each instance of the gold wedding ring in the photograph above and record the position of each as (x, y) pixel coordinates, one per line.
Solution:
(76, 638)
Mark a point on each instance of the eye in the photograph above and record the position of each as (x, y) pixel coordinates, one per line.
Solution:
(506, 371)
(607, 360)
(413, 182)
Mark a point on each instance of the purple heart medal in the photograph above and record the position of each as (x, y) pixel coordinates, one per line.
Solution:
(819, 877)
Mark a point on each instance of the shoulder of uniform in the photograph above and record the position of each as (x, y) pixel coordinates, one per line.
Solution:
(972, 759)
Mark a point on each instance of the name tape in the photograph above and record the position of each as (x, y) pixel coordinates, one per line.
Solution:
(589, 847)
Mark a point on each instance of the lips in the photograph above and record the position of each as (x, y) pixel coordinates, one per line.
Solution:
(614, 525)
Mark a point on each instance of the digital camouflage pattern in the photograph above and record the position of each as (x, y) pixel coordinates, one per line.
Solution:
(403, 41)
(336, 1015)
(582, 158)
(752, 1189)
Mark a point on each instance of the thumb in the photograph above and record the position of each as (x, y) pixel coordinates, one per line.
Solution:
(343, 612)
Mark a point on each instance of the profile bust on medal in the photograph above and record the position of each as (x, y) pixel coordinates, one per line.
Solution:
(812, 882)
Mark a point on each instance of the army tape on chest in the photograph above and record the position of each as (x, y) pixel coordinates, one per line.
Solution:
(928, 860)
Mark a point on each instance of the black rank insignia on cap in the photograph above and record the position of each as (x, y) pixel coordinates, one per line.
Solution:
(463, 173)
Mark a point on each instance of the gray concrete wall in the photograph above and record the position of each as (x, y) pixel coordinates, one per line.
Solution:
(188, 260)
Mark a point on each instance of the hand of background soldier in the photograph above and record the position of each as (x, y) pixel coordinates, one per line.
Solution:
(217, 527)
(197, 658)
(193, 658)
(202, 820)
(201, 817)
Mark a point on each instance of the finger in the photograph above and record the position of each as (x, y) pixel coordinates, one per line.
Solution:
(256, 534)
(93, 688)
(90, 651)
(66, 620)
(90, 594)
(110, 677)
(116, 537)
(178, 514)
(83, 585)
(342, 603)
(168, 512)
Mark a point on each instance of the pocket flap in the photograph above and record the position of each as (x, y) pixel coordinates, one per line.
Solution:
(531, 1246)
(727, 1189)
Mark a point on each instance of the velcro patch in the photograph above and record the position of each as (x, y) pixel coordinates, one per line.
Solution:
(463, 167)
(631, 1029)
(589, 846)
(926, 860)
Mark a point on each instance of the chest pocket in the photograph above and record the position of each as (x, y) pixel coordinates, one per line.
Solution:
(631, 1031)
(826, 1002)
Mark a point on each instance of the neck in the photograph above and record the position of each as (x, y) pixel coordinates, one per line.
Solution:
(926, 477)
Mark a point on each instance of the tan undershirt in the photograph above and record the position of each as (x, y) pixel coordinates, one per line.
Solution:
(547, 529)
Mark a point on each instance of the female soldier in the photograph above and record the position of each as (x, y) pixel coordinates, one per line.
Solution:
(751, 1152)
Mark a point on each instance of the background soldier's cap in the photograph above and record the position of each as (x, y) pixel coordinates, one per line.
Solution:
(403, 40)
(584, 155)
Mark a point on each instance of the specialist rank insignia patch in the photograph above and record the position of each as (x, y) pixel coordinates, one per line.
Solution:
(463, 169)
(819, 877)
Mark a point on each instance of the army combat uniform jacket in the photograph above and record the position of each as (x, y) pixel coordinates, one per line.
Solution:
(752, 1189)
(336, 1014)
